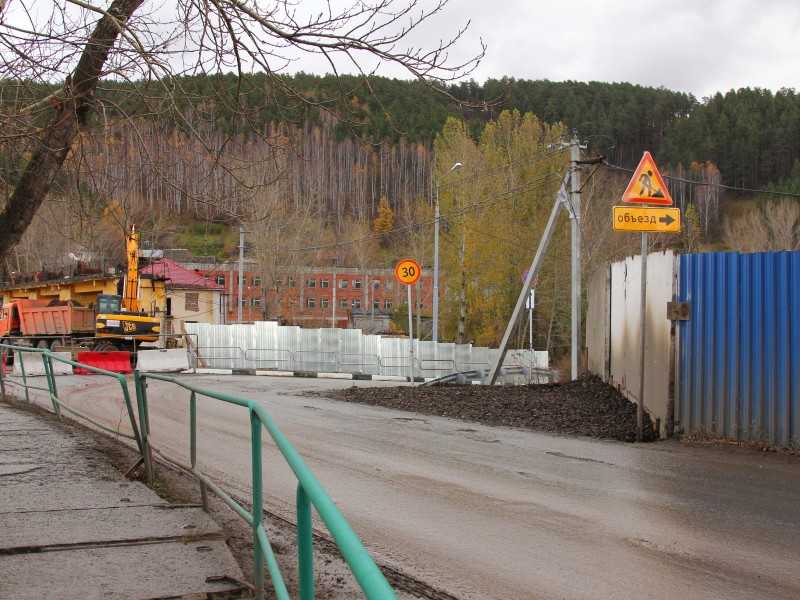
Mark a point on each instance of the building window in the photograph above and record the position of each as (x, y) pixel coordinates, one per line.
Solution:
(376, 304)
(387, 284)
(256, 281)
(342, 284)
(191, 302)
(290, 282)
(312, 283)
(343, 303)
(356, 303)
(256, 302)
(323, 283)
(357, 284)
(323, 303)
(376, 284)
(311, 302)
(387, 305)
(220, 280)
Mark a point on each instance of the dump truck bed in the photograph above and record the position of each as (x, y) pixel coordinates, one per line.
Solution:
(36, 318)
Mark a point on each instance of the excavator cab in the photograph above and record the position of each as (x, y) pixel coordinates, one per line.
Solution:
(108, 303)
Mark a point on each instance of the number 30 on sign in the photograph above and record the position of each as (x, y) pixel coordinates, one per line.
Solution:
(407, 271)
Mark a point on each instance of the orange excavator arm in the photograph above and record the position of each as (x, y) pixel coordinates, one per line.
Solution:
(130, 297)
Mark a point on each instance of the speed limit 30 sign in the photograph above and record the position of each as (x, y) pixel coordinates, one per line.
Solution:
(407, 271)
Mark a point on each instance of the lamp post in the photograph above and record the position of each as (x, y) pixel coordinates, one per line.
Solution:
(436, 219)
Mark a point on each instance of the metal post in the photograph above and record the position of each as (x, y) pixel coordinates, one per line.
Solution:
(643, 328)
(530, 321)
(51, 382)
(410, 338)
(305, 546)
(258, 504)
(417, 296)
(561, 198)
(3, 373)
(435, 307)
(241, 274)
(140, 384)
(575, 201)
(193, 445)
(530, 334)
(333, 303)
(24, 377)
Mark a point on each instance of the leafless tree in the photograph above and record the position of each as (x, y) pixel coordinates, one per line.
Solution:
(775, 226)
(67, 76)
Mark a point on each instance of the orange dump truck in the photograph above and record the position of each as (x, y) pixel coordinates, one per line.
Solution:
(44, 322)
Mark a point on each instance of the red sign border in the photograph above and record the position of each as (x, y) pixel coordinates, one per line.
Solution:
(666, 201)
(400, 262)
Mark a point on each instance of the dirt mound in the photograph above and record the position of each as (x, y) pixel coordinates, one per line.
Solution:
(587, 406)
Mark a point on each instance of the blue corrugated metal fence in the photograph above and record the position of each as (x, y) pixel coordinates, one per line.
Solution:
(739, 365)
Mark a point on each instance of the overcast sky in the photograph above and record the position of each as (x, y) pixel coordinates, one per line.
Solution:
(698, 46)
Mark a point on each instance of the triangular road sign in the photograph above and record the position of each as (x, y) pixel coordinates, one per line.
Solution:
(647, 186)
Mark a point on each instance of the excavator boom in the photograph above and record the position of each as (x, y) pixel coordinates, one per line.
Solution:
(130, 297)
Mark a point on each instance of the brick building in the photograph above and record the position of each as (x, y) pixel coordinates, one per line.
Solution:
(316, 296)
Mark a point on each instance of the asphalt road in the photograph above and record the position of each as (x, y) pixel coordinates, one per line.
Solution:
(487, 512)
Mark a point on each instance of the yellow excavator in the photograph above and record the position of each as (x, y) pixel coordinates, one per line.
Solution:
(120, 323)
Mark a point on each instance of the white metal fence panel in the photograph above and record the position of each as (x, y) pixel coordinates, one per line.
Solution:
(265, 345)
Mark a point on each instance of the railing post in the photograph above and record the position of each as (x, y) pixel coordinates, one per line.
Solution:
(193, 445)
(24, 377)
(258, 503)
(3, 373)
(51, 382)
(140, 384)
(305, 546)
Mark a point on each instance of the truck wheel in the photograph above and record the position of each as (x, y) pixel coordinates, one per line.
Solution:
(43, 344)
(104, 346)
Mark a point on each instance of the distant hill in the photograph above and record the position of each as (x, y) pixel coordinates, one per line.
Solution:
(752, 135)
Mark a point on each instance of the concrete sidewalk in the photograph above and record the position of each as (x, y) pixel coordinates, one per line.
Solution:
(73, 527)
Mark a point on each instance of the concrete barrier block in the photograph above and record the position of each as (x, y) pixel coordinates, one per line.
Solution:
(162, 361)
(34, 365)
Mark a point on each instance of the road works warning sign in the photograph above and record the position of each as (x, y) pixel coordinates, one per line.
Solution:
(647, 218)
(647, 186)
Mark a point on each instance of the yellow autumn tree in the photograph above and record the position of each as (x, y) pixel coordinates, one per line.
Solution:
(384, 221)
(494, 211)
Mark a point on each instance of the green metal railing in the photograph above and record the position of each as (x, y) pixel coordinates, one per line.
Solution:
(48, 358)
(309, 492)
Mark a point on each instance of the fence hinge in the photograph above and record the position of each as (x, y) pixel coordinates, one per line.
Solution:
(678, 311)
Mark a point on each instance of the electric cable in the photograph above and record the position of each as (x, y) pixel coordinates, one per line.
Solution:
(733, 188)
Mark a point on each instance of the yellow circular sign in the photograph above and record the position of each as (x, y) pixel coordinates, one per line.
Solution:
(407, 271)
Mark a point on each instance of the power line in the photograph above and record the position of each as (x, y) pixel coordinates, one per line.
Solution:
(733, 188)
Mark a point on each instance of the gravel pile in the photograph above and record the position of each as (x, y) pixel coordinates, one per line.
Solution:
(587, 406)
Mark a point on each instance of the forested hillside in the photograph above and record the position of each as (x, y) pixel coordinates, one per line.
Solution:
(752, 135)
(335, 146)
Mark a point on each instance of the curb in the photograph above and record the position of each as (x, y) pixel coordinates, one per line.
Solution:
(306, 375)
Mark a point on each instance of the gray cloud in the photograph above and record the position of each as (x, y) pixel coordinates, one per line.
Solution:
(698, 47)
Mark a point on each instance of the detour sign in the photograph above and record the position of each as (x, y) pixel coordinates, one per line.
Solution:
(407, 271)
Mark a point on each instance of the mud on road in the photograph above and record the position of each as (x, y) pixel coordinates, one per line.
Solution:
(586, 407)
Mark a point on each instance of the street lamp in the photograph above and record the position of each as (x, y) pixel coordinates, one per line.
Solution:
(435, 332)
